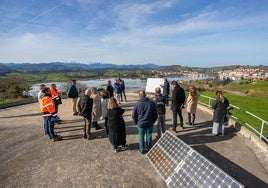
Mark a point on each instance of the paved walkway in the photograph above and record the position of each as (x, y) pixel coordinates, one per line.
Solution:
(29, 159)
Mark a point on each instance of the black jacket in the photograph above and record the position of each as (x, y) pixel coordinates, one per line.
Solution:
(178, 98)
(220, 110)
(84, 105)
(116, 126)
(160, 104)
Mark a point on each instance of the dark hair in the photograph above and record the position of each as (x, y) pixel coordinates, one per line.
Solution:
(174, 83)
(105, 94)
(218, 92)
(47, 92)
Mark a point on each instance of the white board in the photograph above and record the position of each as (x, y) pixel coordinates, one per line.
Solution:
(153, 83)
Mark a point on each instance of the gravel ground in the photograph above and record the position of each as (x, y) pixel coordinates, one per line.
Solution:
(28, 158)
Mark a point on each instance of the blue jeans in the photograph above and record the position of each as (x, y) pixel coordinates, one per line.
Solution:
(45, 125)
(145, 131)
(49, 126)
(166, 99)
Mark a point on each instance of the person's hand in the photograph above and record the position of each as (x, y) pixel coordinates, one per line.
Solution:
(221, 98)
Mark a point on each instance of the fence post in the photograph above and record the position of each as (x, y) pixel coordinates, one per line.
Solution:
(262, 126)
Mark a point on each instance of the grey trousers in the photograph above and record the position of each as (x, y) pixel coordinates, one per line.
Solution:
(161, 124)
(218, 128)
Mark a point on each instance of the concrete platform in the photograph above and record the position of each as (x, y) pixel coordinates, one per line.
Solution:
(28, 158)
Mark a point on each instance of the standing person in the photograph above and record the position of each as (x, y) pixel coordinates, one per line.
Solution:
(55, 96)
(110, 88)
(84, 106)
(73, 95)
(116, 125)
(178, 100)
(123, 92)
(161, 111)
(49, 114)
(166, 89)
(144, 115)
(104, 102)
(118, 90)
(40, 95)
(192, 100)
(41, 92)
(219, 116)
(96, 110)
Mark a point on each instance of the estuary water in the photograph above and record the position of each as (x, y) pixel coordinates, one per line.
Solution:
(132, 85)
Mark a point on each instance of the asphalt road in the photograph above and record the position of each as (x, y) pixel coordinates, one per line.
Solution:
(28, 158)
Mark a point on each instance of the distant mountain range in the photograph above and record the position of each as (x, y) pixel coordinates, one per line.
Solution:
(73, 66)
(64, 67)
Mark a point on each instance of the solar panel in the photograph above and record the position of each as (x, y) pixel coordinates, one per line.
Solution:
(181, 166)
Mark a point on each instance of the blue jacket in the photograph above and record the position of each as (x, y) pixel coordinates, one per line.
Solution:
(144, 113)
(117, 88)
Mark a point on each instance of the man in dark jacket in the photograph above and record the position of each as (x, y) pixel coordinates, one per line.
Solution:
(161, 111)
(166, 91)
(73, 95)
(144, 115)
(178, 100)
(84, 106)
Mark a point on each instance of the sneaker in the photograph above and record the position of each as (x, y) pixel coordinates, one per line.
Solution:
(57, 138)
(143, 152)
(124, 148)
(116, 150)
(90, 137)
(84, 136)
(98, 127)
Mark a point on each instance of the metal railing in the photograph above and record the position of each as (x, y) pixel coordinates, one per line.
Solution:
(263, 124)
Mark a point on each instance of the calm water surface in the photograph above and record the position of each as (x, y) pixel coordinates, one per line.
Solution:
(132, 85)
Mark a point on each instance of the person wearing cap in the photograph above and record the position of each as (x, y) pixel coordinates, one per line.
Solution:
(177, 103)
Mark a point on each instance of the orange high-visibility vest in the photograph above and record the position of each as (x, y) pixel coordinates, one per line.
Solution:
(47, 105)
(54, 93)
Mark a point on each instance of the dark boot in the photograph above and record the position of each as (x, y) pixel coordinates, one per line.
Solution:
(94, 124)
(189, 119)
(193, 119)
(97, 126)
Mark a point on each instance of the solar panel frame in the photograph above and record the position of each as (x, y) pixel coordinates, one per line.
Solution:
(179, 165)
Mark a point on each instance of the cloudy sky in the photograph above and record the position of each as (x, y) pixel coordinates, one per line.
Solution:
(199, 33)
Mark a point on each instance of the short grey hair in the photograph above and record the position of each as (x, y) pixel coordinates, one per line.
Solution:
(88, 91)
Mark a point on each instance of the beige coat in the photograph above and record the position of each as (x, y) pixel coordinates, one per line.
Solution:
(192, 103)
(96, 109)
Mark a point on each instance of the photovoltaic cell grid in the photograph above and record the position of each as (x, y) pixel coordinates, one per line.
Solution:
(181, 166)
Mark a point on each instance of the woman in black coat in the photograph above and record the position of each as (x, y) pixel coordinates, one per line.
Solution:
(219, 116)
(116, 125)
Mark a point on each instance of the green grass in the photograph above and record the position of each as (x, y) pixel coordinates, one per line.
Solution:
(254, 89)
(255, 105)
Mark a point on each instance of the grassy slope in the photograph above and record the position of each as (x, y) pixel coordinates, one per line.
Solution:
(255, 105)
(257, 89)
